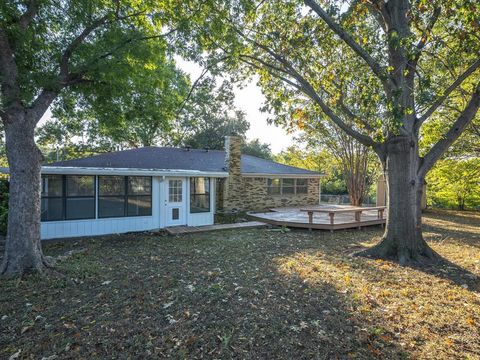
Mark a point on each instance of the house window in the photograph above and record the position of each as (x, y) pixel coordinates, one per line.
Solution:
(52, 198)
(301, 186)
(120, 196)
(274, 186)
(80, 197)
(199, 195)
(69, 197)
(287, 186)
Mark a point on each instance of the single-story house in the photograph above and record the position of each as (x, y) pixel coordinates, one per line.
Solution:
(156, 187)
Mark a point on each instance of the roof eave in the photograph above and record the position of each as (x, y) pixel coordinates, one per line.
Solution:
(74, 170)
(296, 176)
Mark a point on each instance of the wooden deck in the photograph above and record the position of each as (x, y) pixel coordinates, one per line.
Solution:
(178, 230)
(293, 217)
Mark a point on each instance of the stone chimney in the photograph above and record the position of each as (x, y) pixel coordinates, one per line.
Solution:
(233, 186)
(233, 154)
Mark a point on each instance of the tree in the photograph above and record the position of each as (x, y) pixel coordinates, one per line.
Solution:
(256, 148)
(455, 183)
(208, 116)
(355, 159)
(378, 70)
(48, 48)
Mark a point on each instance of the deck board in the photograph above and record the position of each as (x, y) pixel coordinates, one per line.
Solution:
(178, 230)
(293, 217)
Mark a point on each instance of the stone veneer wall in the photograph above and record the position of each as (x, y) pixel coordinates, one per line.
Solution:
(251, 195)
(242, 193)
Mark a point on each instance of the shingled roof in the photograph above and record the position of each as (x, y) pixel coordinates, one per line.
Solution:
(163, 158)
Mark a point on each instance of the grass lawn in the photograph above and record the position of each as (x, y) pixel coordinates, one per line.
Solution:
(253, 293)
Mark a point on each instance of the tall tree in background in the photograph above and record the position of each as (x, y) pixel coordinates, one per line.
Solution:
(404, 57)
(50, 47)
(356, 160)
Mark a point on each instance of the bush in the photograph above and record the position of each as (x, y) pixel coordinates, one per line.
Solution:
(3, 206)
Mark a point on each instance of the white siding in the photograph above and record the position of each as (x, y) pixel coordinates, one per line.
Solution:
(92, 227)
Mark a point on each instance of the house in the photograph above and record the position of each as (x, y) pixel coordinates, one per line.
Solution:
(153, 187)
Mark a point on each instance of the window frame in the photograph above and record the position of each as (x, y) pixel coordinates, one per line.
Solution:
(281, 187)
(64, 196)
(194, 194)
(126, 195)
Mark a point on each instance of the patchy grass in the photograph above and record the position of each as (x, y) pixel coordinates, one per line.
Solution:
(250, 294)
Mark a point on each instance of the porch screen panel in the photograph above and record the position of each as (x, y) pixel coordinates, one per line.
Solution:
(111, 196)
(139, 202)
(199, 195)
(52, 198)
(80, 197)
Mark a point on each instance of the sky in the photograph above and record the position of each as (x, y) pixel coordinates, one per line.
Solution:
(249, 99)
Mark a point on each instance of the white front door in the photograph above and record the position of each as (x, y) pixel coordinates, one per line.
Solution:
(175, 200)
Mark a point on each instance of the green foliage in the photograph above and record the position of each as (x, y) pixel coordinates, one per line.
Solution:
(256, 148)
(322, 161)
(3, 206)
(454, 183)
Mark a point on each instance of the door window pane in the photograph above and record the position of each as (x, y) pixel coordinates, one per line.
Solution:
(175, 191)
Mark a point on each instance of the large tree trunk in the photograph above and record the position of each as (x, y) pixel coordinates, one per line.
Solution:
(23, 252)
(402, 240)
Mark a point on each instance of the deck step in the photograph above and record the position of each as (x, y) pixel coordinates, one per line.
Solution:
(178, 230)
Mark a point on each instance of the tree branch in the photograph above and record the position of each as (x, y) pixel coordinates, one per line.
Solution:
(447, 93)
(337, 29)
(28, 15)
(8, 72)
(452, 134)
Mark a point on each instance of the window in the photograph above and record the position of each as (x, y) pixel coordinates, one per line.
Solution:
(80, 197)
(69, 197)
(274, 186)
(111, 196)
(287, 186)
(199, 195)
(52, 198)
(175, 190)
(120, 196)
(301, 186)
(139, 196)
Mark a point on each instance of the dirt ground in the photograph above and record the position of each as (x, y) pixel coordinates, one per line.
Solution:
(248, 294)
